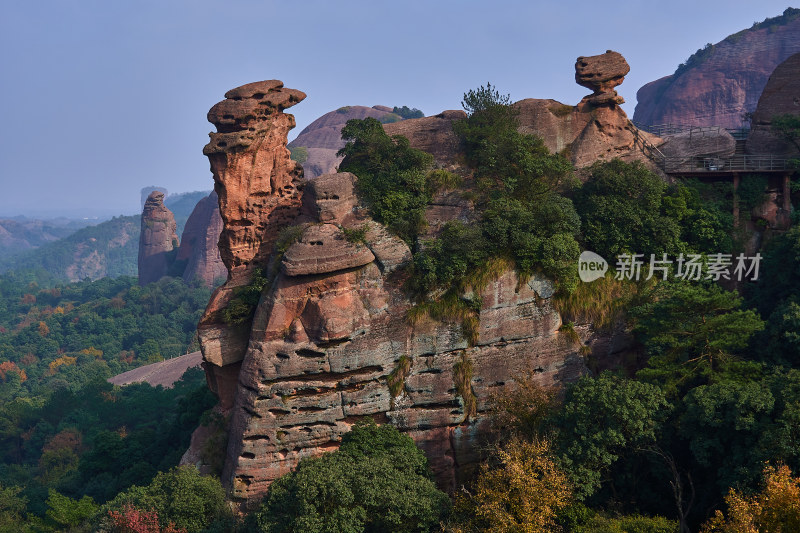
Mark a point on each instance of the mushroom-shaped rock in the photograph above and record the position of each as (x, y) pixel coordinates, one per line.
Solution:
(330, 197)
(323, 249)
(601, 74)
(251, 103)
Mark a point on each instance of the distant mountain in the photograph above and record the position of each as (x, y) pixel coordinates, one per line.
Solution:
(316, 146)
(721, 82)
(107, 249)
(19, 234)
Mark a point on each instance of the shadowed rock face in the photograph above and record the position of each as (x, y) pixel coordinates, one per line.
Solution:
(781, 96)
(198, 255)
(157, 239)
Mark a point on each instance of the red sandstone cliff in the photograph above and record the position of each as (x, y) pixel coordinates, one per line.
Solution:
(329, 333)
(724, 81)
(259, 189)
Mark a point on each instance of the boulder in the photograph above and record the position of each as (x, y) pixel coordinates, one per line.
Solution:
(781, 96)
(601, 74)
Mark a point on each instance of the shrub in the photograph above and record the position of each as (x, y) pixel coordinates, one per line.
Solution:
(181, 496)
(378, 480)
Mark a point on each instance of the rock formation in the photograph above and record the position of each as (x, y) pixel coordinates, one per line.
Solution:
(198, 257)
(781, 96)
(601, 74)
(720, 83)
(329, 337)
(595, 129)
(323, 138)
(431, 134)
(145, 192)
(259, 189)
(329, 342)
(157, 239)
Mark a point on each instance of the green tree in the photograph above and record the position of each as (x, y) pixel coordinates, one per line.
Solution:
(377, 481)
(181, 496)
(392, 176)
(601, 420)
(68, 512)
(691, 331)
(622, 212)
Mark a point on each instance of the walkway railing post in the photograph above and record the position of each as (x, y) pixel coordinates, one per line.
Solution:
(735, 199)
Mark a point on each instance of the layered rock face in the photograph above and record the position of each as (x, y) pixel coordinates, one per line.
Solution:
(259, 190)
(323, 137)
(330, 336)
(199, 251)
(157, 239)
(727, 82)
(330, 344)
(781, 96)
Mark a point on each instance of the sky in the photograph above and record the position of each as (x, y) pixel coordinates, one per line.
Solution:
(100, 98)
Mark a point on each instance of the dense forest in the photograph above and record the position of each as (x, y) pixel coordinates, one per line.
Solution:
(66, 434)
(696, 427)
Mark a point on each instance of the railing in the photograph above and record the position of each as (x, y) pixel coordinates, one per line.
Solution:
(737, 163)
(665, 130)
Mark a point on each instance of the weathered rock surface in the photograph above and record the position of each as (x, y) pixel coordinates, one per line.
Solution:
(323, 137)
(781, 96)
(324, 343)
(198, 257)
(259, 189)
(432, 134)
(157, 239)
(330, 330)
(718, 88)
(595, 129)
(714, 142)
(601, 74)
(257, 183)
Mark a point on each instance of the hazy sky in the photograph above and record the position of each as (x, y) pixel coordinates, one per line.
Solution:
(101, 98)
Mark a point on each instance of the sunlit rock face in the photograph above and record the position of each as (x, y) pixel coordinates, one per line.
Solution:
(331, 334)
(331, 341)
(259, 190)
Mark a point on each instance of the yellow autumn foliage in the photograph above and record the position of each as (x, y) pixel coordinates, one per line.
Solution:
(521, 492)
(776, 509)
(65, 360)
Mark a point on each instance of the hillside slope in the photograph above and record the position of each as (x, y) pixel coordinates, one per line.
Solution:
(107, 249)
